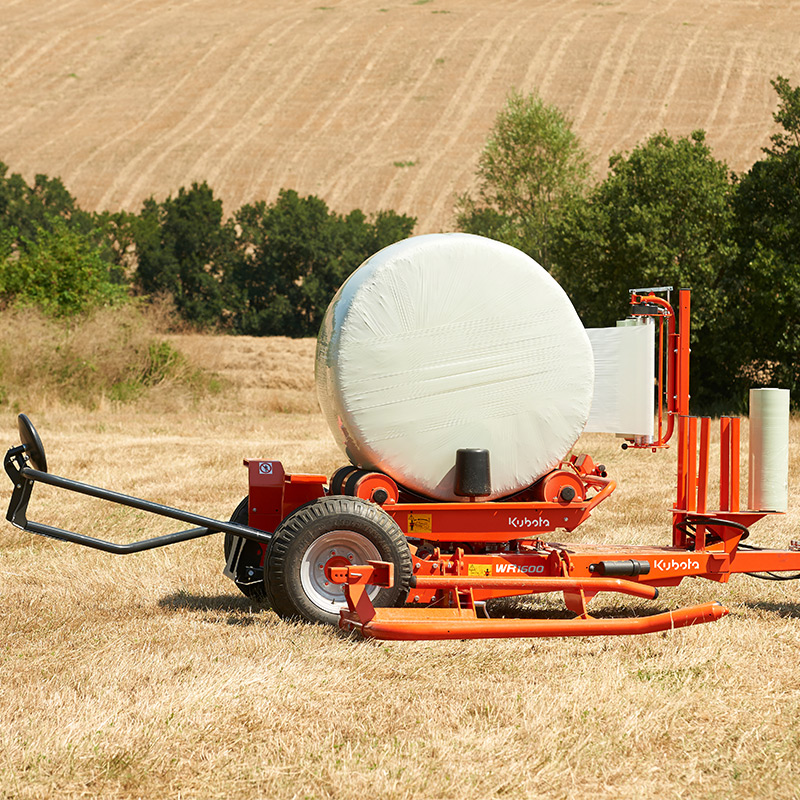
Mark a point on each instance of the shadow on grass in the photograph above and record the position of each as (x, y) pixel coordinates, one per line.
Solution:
(241, 609)
(785, 609)
(510, 610)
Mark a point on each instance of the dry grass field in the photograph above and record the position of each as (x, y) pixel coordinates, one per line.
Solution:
(366, 103)
(149, 675)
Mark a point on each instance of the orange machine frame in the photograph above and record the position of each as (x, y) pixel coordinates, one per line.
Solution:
(466, 553)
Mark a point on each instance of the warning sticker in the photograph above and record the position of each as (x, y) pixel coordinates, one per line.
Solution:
(420, 523)
(479, 570)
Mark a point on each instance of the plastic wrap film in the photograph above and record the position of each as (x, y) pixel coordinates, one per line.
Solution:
(624, 373)
(449, 341)
(769, 449)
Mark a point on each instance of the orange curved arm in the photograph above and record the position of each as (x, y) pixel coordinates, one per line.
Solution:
(608, 485)
(535, 585)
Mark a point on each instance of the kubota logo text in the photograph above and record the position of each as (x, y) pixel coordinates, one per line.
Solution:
(663, 565)
(528, 522)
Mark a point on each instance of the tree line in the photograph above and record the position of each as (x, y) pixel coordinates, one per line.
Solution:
(268, 269)
(667, 212)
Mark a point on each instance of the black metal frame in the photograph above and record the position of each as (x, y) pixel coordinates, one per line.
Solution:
(24, 477)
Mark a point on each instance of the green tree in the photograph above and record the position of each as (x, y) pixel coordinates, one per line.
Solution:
(114, 236)
(8, 240)
(661, 217)
(294, 254)
(280, 245)
(61, 272)
(766, 282)
(531, 166)
(184, 248)
(31, 209)
(28, 210)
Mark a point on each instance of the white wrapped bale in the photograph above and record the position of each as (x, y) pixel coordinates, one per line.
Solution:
(450, 341)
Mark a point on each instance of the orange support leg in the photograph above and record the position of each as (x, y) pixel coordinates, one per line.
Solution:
(725, 464)
(683, 454)
(735, 434)
(702, 476)
(691, 465)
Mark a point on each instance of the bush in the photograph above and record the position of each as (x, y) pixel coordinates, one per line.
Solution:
(113, 354)
(184, 248)
(293, 255)
(28, 210)
(60, 271)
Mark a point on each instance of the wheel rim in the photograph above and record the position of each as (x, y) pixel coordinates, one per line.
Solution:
(336, 548)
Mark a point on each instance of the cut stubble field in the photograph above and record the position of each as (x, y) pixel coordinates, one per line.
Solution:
(366, 103)
(149, 675)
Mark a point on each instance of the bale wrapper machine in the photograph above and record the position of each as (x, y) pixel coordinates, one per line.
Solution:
(361, 551)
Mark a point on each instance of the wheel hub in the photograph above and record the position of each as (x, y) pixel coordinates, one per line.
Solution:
(334, 549)
(336, 561)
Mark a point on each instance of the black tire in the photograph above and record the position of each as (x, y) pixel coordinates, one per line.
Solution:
(252, 554)
(346, 528)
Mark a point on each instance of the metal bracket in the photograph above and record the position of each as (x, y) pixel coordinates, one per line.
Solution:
(23, 477)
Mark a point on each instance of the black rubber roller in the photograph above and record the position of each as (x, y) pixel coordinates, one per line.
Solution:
(620, 569)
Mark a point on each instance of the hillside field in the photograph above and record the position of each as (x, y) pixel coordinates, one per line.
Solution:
(149, 675)
(366, 103)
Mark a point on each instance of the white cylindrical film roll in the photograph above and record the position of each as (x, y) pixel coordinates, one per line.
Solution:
(624, 369)
(769, 449)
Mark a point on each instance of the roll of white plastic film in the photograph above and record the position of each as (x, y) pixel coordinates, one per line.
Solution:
(624, 370)
(769, 449)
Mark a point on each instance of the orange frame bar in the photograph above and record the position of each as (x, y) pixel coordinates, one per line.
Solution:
(725, 464)
(683, 454)
(691, 465)
(729, 484)
(702, 477)
(734, 461)
(683, 350)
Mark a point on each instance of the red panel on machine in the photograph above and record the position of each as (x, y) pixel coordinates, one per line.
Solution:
(266, 479)
(274, 494)
(301, 489)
